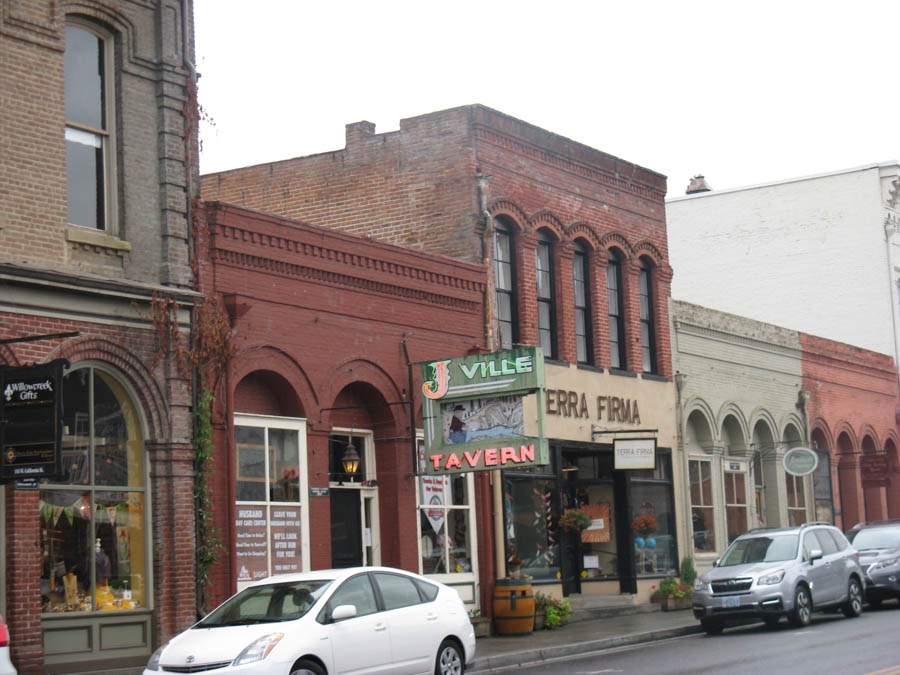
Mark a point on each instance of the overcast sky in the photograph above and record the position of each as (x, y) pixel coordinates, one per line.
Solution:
(742, 92)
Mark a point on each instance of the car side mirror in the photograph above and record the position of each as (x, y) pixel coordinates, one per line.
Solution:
(716, 562)
(814, 555)
(343, 612)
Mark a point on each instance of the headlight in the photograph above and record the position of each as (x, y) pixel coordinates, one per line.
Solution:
(699, 584)
(881, 564)
(258, 649)
(153, 663)
(771, 578)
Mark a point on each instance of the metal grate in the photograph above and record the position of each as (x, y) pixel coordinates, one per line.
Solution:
(726, 586)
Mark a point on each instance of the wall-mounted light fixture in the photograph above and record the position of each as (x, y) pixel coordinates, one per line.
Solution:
(350, 460)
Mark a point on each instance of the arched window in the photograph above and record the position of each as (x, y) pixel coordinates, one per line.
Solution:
(648, 328)
(616, 311)
(93, 520)
(546, 298)
(89, 138)
(584, 344)
(505, 281)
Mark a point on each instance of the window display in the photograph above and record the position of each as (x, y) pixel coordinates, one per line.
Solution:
(92, 522)
(531, 531)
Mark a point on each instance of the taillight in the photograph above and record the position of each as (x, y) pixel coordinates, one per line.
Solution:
(4, 634)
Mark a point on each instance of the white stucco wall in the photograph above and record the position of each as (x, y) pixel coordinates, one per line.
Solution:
(808, 254)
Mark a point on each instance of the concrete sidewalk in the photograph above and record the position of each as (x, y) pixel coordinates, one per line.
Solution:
(580, 638)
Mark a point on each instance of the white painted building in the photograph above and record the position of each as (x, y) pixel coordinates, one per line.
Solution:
(820, 254)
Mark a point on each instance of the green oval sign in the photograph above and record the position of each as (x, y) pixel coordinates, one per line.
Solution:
(800, 461)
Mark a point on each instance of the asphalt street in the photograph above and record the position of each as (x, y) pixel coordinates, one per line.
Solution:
(867, 645)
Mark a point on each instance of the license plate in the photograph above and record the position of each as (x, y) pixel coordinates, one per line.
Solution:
(731, 602)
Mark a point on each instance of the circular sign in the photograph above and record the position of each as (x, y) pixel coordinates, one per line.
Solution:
(800, 461)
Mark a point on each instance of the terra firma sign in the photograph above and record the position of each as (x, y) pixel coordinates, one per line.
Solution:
(474, 411)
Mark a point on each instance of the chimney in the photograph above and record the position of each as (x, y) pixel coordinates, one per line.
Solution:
(698, 184)
(358, 131)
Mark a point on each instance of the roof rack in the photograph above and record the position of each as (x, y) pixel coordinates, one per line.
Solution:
(815, 522)
(890, 521)
(762, 529)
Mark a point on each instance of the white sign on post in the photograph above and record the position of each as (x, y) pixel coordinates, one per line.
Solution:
(635, 453)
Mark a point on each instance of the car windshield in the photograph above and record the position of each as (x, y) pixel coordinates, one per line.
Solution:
(761, 549)
(875, 537)
(266, 604)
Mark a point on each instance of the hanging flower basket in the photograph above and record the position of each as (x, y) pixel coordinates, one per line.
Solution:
(574, 520)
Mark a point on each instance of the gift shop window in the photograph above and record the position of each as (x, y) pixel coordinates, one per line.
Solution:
(700, 476)
(735, 504)
(796, 500)
(270, 497)
(446, 526)
(530, 526)
(653, 518)
(93, 522)
(88, 132)
(505, 282)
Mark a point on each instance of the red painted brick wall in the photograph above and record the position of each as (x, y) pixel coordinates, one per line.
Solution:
(323, 317)
(853, 392)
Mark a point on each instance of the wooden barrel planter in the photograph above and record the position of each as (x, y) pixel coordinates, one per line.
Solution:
(513, 607)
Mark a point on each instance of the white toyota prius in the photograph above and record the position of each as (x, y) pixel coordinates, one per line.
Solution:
(357, 620)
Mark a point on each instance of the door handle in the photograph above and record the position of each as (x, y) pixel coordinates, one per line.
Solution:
(431, 617)
(380, 627)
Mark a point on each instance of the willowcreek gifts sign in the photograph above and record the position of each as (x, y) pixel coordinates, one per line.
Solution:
(474, 411)
(31, 402)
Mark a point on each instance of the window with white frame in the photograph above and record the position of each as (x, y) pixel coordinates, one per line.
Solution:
(88, 133)
(584, 344)
(796, 499)
(735, 504)
(546, 298)
(271, 522)
(702, 516)
(616, 306)
(505, 283)
(446, 525)
(648, 326)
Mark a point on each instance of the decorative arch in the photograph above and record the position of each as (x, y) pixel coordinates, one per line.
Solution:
(8, 356)
(733, 410)
(761, 415)
(846, 439)
(819, 428)
(792, 419)
(512, 212)
(358, 370)
(132, 367)
(584, 231)
(616, 240)
(700, 419)
(868, 432)
(645, 248)
(267, 358)
(546, 219)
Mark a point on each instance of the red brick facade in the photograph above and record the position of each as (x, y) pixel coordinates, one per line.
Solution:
(322, 325)
(853, 411)
(436, 184)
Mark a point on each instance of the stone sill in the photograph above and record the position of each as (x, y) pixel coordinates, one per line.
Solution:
(85, 236)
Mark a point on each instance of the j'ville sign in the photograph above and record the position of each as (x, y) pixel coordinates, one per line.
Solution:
(606, 408)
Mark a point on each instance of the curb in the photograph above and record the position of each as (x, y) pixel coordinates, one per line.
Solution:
(530, 656)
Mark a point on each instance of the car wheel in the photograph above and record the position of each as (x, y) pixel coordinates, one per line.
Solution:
(771, 621)
(711, 626)
(854, 604)
(802, 608)
(449, 659)
(307, 668)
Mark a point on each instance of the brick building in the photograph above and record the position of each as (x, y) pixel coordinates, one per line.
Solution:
(749, 392)
(575, 245)
(96, 158)
(325, 328)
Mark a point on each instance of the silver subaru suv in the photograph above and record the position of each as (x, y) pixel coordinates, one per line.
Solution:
(772, 573)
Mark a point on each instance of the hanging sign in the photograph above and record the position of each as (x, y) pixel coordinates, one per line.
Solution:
(31, 404)
(874, 470)
(634, 453)
(474, 412)
(800, 461)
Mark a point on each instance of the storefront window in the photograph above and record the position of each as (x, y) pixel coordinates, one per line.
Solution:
(444, 515)
(92, 521)
(700, 476)
(796, 500)
(735, 504)
(268, 509)
(653, 519)
(822, 488)
(531, 536)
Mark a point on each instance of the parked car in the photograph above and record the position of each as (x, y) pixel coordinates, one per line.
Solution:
(6, 666)
(380, 619)
(878, 544)
(773, 573)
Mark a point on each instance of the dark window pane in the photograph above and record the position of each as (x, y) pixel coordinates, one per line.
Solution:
(397, 591)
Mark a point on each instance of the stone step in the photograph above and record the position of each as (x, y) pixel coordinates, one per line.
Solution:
(591, 607)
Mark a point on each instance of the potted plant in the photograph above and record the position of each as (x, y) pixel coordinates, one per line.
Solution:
(553, 613)
(644, 524)
(574, 520)
(672, 595)
(481, 624)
